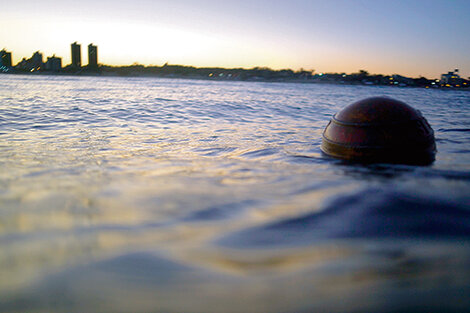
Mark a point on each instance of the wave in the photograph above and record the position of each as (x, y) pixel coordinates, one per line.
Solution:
(370, 213)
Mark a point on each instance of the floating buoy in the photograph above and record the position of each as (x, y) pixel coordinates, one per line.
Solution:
(380, 130)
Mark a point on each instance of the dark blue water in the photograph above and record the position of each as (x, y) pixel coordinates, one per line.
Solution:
(155, 195)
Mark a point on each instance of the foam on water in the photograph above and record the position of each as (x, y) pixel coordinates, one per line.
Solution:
(145, 194)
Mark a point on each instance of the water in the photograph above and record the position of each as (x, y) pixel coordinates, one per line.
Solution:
(156, 195)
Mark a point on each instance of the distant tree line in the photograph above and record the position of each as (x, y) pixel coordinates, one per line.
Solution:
(362, 77)
(216, 73)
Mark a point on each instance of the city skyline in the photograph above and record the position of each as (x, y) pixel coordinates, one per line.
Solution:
(54, 63)
(409, 38)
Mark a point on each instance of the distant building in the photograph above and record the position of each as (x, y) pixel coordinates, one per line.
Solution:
(76, 55)
(451, 79)
(53, 64)
(35, 63)
(37, 60)
(92, 56)
(402, 80)
(5, 58)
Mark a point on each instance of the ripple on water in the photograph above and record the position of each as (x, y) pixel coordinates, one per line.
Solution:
(260, 153)
(370, 213)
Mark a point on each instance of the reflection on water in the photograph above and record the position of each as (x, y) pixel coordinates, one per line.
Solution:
(343, 276)
(151, 195)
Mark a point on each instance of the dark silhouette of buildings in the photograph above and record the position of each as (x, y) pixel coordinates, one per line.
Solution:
(92, 56)
(76, 55)
(5, 58)
(452, 79)
(53, 64)
(35, 63)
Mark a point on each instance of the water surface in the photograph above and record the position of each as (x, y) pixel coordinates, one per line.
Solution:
(156, 195)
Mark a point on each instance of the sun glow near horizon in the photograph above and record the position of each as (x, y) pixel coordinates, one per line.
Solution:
(340, 37)
(125, 43)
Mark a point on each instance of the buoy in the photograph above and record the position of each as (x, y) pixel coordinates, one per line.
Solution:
(380, 130)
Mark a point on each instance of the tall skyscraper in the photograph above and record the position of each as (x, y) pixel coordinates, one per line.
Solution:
(5, 58)
(92, 56)
(76, 55)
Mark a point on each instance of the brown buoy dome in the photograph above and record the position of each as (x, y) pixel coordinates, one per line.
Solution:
(380, 130)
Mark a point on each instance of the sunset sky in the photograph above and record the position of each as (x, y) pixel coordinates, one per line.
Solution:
(381, 36)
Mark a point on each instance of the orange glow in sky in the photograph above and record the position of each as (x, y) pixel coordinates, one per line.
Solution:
(408, 38)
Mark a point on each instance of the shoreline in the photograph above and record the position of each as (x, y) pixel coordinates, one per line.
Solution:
(232, 79)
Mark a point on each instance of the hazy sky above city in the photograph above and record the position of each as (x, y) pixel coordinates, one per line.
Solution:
(381, 36)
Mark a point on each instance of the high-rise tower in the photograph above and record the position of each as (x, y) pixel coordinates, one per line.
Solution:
(76, 55)
(92, 56)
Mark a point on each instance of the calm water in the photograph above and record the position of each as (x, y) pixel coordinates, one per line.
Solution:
(155, 195)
